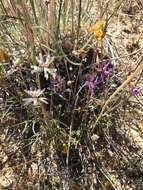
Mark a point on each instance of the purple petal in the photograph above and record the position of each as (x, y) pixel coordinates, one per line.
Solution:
(136, 91)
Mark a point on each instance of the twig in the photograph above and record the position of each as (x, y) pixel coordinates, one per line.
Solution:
(120, 88)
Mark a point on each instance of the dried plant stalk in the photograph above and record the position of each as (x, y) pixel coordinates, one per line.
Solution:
(23, 10)
(51, 18)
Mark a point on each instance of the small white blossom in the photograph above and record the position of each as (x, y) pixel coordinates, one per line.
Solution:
(50, 71)
(35, 99)
(14, 68)
(44, 66)
(36, 69)
(40, 59)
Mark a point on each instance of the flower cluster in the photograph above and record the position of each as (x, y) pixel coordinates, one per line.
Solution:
(61, 80)
(98, 30)
(92, 83)
(103, 71)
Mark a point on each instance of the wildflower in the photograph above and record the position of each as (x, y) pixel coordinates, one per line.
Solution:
(94, 137)
(36, 69)
(92, 83)
(65, 149)
(35, 99)
(44, 66)
(136, 91)
(104, 70)
(70, 82)
(13, 69)
(98, 30)
(58, 83)
(3, 55)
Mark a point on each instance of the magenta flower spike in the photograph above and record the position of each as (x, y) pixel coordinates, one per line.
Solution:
(136, 91)
(92, 82)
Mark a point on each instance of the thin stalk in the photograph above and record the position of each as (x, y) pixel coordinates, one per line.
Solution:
(115, 10)
(72, 16)
(34, 12)
(51, 18)
(64, 16)
(22, 9)
(100, 7)
(59, 18)
(3, 7)
(79, 20)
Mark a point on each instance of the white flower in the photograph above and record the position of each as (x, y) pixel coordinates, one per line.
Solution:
(44, 66)
(35, 99)
(36, 69)
(13, 68)
(50, 71)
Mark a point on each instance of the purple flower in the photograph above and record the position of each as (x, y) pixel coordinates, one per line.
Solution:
(104, 70)
(136, 91)
(58, 83)
(91, 83)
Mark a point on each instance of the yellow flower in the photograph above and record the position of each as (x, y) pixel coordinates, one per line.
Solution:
(3, 55)
(98, 30)
(65, 149)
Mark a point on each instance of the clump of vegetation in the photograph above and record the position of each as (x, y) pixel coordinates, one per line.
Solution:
(67, 99)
